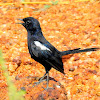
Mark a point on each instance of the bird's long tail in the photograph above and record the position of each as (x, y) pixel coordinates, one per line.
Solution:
(78, 51)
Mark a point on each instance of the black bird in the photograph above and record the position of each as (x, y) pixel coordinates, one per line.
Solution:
(42, 51)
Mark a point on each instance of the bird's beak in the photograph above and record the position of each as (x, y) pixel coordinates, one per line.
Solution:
(21, 20)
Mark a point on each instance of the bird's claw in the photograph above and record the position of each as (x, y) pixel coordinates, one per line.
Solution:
(36, 83)
(47, 88)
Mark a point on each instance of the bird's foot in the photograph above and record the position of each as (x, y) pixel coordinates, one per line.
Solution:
(47, 88)
(36, 83)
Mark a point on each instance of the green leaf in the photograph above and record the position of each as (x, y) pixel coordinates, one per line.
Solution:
(12, 89)
(54, 2)
(47, 6)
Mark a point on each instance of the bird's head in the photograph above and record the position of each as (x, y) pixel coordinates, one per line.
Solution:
(30, 23)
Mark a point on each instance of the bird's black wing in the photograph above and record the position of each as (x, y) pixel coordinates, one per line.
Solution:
(45, 53)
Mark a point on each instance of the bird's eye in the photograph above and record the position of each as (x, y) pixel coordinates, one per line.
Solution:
(28, 22)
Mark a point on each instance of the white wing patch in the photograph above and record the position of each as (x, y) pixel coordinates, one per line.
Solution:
(41, 46)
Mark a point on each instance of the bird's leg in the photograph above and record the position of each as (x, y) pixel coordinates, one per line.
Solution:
(47, 82)
(41, 79)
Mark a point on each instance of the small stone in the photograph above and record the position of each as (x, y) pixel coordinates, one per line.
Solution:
(93, 71)
(23, 88)
(17, 60)
(71, 69)
(57, 86)
(17, 78)
(71, 78)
